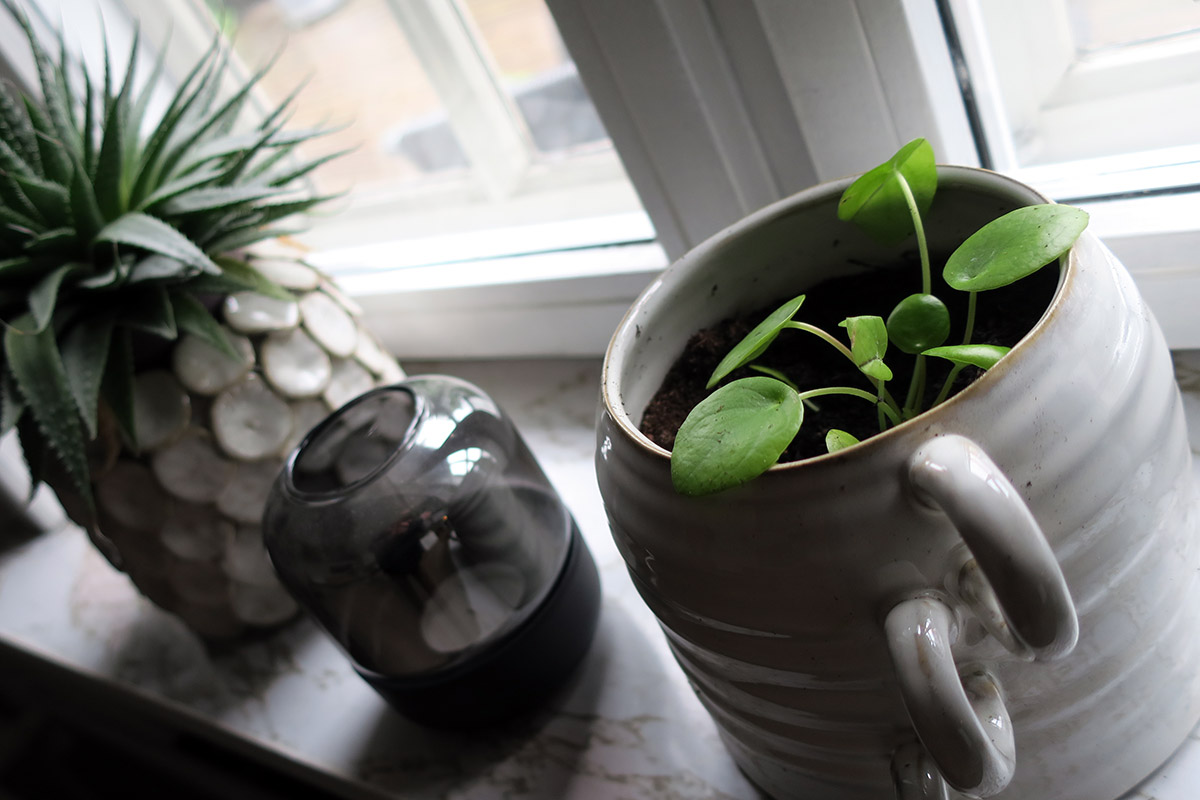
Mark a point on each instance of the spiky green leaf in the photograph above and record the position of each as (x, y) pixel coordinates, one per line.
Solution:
(16, 130)
(240, 162)
(12, 405)
(11, 193)
(85, 353)
(266, 213)
(247, 277)
(85, 211)
(216, 199)
(14, 270)
(149, 309)
(192, 317)
(110, 166)
(150, 166)
(160, 268)
(141, 230)
(198, 129)
(55, 165)
(59, 240)
(52, 200)
(239, 238)
(284, 178)
(117, 385)
(35, 450)
(44, 295)
(11, 161)
(56, 101)
(137, 111)
(192, 180)
(18, 224)
(42, 380)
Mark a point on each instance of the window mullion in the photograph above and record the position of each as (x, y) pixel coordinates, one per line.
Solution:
(486, 124)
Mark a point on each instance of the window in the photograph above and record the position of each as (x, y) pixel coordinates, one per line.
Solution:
(765, 98)
(1095, 103)
(474, 156)
(716, 108)
(1095, 96)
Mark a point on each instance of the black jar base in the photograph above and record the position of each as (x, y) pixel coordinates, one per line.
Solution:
(517, 673)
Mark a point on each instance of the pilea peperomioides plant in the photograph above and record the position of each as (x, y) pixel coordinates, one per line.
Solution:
(741, 429)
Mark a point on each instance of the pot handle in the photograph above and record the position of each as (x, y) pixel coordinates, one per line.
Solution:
(961, 721)
(955, 475)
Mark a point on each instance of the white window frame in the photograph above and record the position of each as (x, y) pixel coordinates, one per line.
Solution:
(718, 107)
(851, 81)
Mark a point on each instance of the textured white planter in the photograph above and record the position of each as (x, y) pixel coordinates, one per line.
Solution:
(832, 607)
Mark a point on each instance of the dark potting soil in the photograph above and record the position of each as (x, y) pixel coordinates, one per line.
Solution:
(1003, 317)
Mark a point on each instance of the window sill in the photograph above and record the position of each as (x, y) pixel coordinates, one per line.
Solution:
(559, 303)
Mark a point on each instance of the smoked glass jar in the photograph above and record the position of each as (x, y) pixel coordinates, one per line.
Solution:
(415, 525)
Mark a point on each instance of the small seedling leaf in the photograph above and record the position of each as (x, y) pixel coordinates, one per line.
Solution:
(839, 440)
(868, 343)
(1015, 245)
(734, 435)
(983, 356)
(875, 202)
(755, 342)
(918, 322)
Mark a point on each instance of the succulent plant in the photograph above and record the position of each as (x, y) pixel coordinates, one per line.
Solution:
(156, 370)
(113, 226)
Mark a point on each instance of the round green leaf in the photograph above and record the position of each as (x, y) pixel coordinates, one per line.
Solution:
(918, 322)
(1015, 245)
(839, 440)
(734, 435)
(756, 341)
(983, 356)
(875, 202)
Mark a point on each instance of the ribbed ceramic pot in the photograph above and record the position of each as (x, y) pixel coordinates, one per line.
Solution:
(1011, 580)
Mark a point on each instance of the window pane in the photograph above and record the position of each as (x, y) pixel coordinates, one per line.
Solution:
(537, 73)
(1100, 24)
(1068, 80)
(359, 71)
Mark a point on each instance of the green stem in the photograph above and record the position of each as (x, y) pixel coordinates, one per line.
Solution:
(945, 392)
(879, 406)
(922, 246)
(779, 376)
(776, 374)
(852, 392)
(968, 333)
(916, 389)
(813, 329)
(884, 394)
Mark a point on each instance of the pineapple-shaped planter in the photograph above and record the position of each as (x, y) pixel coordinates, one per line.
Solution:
(156, 371)
(181, 514)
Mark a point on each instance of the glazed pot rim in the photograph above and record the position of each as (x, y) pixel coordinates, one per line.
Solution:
(948, 176)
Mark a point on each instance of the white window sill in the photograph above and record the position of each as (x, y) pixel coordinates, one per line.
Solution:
(478, 297)
(524, 306)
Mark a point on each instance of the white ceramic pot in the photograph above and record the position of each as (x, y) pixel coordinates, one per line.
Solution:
(1011, 579)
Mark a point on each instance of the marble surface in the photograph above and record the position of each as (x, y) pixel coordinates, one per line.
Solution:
(626, 725)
